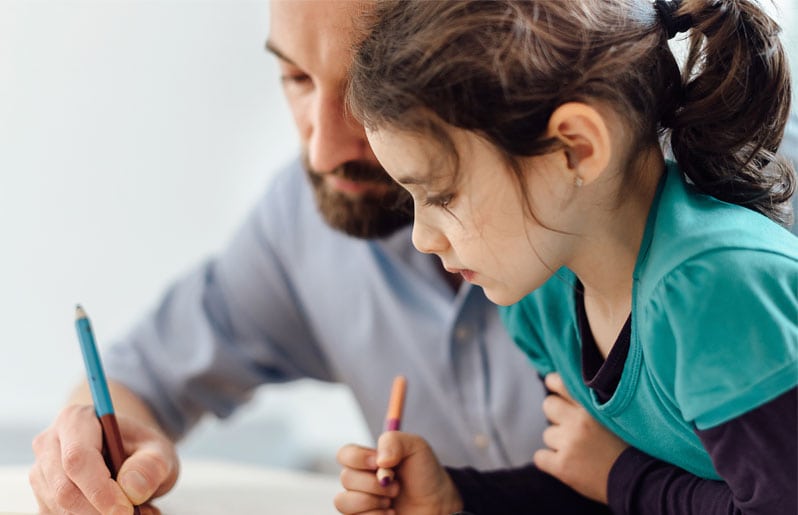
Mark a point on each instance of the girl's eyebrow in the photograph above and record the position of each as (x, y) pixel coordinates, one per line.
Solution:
(425, 176)
(412, 180)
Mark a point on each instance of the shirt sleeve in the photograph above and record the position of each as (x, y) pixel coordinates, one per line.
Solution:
(230, 325)
(520, 490)
(756, 454)
(733, 317)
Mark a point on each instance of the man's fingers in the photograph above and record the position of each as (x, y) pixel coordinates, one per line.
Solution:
(70, 474)
(146, 473)
(149, 509)
(61, 493)
(84, 466)
(38, 484)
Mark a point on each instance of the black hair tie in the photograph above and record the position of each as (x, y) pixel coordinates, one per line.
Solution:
(673, 24)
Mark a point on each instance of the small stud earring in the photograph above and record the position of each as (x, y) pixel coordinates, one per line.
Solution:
(578, 181)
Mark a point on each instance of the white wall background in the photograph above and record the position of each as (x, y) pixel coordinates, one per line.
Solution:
(134, 135)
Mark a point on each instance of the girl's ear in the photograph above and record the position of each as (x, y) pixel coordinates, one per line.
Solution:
(584, 133)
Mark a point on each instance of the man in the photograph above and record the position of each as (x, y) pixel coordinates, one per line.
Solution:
(321, 281)
(789, 147)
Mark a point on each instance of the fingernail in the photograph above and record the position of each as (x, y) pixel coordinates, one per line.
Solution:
(382, 456)
(135, 486)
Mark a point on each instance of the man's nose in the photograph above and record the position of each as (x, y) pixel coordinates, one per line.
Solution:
(336, 137)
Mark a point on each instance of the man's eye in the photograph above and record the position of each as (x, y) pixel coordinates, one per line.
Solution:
(295, 78)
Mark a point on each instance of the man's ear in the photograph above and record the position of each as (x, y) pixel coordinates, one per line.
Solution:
(584, 133)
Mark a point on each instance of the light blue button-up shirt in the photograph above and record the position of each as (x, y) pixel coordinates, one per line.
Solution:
(789, 147)
(291, 298)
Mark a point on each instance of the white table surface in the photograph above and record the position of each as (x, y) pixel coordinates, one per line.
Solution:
(211, 488)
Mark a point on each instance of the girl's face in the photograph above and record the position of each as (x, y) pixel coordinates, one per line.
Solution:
(475, 217)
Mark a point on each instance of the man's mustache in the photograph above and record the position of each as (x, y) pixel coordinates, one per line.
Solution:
(362, 171)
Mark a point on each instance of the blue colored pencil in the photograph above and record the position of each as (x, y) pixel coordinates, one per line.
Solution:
(112, 438)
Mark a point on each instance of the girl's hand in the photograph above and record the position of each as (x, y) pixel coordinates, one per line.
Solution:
(421, 485)
(580, 451)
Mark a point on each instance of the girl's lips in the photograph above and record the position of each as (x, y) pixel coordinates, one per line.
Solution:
(468, 275)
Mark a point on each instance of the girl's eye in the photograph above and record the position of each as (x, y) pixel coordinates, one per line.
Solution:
(442, 201)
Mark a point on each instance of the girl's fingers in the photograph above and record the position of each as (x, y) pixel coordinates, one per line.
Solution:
(357, 457)
(546, 460)
(393, 447)
(366, 482)
(557, 409)
(361, 502)
(556, 385)
(553, 437)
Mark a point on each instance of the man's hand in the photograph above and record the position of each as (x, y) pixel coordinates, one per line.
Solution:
(69, 474)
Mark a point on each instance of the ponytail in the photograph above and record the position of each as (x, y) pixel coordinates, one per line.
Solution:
(734, 106)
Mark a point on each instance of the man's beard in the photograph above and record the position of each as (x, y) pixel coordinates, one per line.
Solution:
(367, 215)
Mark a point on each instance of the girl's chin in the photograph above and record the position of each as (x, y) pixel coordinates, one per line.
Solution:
(501, 298)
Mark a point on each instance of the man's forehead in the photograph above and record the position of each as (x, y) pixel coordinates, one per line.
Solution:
(328, 15)
(319, 28)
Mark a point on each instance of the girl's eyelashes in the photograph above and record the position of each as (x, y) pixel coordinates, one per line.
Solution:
(441, 201)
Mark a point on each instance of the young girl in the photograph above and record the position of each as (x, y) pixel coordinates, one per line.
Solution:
(664, 295)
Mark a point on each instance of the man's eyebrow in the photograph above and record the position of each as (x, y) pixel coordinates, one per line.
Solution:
(272, 48)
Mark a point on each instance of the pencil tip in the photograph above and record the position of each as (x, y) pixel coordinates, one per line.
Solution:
(79, 312)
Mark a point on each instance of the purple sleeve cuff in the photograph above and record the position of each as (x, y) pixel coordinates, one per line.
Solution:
(525, 490)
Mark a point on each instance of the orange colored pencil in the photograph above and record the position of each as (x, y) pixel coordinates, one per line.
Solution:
(393, 421)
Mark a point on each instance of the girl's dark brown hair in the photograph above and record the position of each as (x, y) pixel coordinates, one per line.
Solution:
(500, 68)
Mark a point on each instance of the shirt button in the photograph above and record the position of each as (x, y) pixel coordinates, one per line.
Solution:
(481, 441)
(462, 333)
